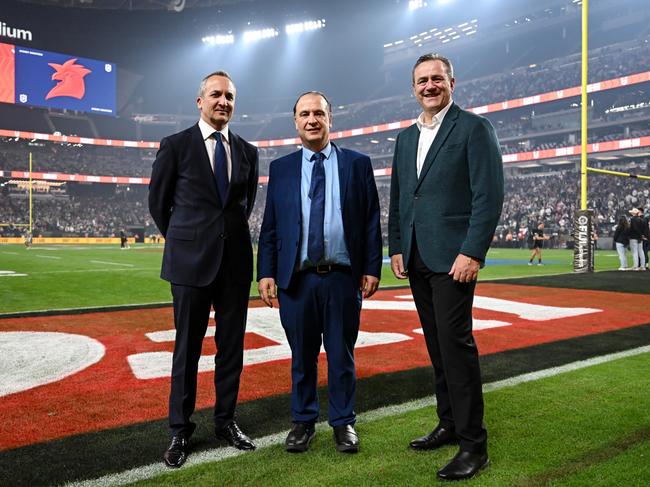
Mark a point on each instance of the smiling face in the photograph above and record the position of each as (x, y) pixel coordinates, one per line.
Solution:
(217, 102)
(432, 87)
(313, 121)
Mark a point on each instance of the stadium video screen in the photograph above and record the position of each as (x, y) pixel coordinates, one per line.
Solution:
(48, 79)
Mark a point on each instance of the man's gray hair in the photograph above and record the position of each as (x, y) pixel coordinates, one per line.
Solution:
(204, 81)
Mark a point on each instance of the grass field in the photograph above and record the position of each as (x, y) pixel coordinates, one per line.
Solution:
(64, 277)
(587, 427)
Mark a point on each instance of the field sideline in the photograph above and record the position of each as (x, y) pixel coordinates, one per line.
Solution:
(50, 277)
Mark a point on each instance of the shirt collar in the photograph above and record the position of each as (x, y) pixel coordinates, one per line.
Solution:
(435, 120)
(207, 130)
(327, 151)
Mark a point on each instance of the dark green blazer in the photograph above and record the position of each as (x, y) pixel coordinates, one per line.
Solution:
(455, 204)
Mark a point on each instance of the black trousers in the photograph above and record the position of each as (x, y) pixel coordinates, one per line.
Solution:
(445, 311)
(191, 314)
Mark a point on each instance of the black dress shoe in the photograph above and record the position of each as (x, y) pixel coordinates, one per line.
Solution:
(346, 439)
(300, 437)
(235, 436)
(464, 466)
(176, 454)
(438, 437)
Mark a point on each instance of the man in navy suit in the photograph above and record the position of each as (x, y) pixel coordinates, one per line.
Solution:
(445, 202)
(201, 194)
(320, 246)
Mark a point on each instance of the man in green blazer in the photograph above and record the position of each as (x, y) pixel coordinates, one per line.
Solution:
(445, 202)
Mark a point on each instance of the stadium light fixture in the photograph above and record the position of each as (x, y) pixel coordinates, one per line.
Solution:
(416, 4)
(219, 39)
(306, 26)
(257, 35)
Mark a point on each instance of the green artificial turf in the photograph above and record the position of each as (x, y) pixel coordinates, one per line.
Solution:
(581, 428)
(60, 277)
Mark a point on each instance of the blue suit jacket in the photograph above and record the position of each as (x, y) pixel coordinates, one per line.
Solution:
(280, 234)
(185, 205)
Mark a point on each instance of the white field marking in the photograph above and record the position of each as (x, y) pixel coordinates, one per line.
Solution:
(477, 325)
(10, 253)
(218, 454)
(526, 311)
(68, 271)
(11, 274)
(111, 263)
(47, 256)
(32, 359)
(264, 322)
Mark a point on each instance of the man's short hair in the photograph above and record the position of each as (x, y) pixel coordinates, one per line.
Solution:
(327, 102)
(434, 57)
(204, 81)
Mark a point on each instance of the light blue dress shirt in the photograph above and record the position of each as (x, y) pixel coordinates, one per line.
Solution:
(335, 249)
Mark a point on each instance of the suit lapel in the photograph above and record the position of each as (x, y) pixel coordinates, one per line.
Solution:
(409, 154)
(294, 182)
(344, 172)
(205, 168)
(236, 153)
(445, 129)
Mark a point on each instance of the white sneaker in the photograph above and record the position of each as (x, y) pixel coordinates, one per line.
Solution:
(622, 268)
(530, 263)
(539, 263)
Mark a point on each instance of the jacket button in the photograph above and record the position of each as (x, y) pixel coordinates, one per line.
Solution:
(221, 235)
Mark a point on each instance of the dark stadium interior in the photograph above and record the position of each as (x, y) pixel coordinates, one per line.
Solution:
(521, 49)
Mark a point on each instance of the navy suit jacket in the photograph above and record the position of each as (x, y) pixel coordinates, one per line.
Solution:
(280, 234)
(454, 205)
(185, 205)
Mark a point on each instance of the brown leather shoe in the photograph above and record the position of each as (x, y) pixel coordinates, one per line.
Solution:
(234, 436)
(176, 454)
(464, 465)
(440, 436)
(346, 439)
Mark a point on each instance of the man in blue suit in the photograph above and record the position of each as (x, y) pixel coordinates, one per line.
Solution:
(445, 202)
(201, 194)
(320, 247)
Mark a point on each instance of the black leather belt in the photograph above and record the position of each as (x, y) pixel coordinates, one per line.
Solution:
(325, 268)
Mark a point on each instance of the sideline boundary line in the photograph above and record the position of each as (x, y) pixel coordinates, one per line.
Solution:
(218, 454)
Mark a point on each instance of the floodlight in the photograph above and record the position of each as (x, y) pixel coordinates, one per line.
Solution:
(256, 35)
(304, 26)
(416, 4)
(219, 39)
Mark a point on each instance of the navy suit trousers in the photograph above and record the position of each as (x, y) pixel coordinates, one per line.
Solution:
(315, 309)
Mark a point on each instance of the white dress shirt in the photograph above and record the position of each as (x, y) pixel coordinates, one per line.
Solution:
(428, 132)
(206, 131)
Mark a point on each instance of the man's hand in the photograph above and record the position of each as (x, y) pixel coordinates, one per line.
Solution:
(369, 285)
(267, 290)
(397, 266)
(465, 269)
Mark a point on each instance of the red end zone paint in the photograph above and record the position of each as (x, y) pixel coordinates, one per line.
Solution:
(107, 394)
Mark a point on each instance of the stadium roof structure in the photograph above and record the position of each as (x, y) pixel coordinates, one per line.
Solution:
(172, 5)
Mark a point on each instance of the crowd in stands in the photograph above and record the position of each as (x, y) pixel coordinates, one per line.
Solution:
(551, 198)
(530, 199)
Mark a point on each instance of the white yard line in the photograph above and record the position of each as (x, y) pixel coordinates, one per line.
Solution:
(10, 253)
(217, 454)
(47, 256)
(111, 263)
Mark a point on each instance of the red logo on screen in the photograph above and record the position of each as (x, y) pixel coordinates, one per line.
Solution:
(70, 77)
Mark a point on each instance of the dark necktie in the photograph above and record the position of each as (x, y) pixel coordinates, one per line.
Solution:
(315, 242)
(220, 168)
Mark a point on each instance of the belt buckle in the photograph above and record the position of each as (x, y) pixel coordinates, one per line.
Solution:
(323, 268)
